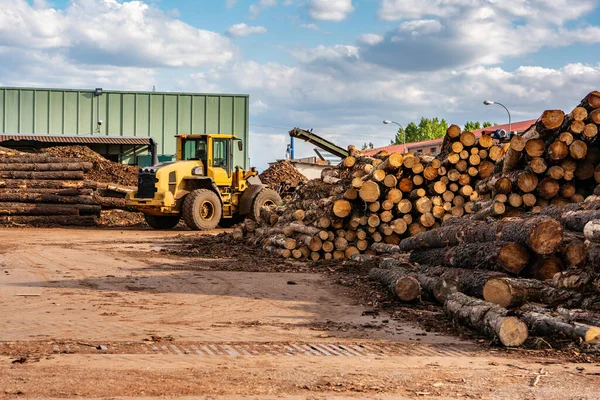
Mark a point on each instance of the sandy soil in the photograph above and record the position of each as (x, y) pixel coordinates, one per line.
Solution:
(109, 313)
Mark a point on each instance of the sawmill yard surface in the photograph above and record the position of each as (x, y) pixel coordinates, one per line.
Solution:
(97, 313)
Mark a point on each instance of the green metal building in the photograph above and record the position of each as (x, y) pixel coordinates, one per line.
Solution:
(118, 124)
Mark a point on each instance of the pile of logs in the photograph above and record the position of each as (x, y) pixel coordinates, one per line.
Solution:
(369, 204)
(43, 189)
(543, 270)
(282, 176)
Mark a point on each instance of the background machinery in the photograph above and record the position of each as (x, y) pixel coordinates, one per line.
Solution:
(202, 187)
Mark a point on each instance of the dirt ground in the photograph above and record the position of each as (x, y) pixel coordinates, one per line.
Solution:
(106, 313)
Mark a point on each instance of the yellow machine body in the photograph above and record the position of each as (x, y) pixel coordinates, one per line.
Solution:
(203, 162)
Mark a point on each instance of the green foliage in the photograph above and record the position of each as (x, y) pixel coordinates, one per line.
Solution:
(474, 125)
(427, 129)
(366, 146)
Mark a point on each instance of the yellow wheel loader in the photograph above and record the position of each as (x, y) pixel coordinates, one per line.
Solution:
(202, 186)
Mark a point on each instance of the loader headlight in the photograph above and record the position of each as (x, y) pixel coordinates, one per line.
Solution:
(198, 171)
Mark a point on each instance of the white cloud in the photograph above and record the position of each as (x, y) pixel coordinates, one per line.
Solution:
(330, 10)
(112, 32)
(230, 3)
(555, 11)
(335, 52)
(370, 39)
(243, 30)
(312, 27)
(255, 9)
(421, 27)
(475, 32)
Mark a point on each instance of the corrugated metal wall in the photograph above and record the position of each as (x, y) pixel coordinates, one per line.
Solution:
(155, 114)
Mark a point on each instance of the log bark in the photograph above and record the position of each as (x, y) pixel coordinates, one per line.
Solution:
(48, 209)
(493, 256)
(513, 292)
(543, 235)
(44, 175)
(49, 220)
(405, 287)
(68, 166)
(487, 318)
(541, 322)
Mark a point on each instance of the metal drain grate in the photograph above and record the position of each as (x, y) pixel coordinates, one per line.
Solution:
(306, 349)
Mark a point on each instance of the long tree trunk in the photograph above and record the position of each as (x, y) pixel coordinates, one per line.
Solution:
(493, 256)
(70, 166)
(56, 175)
(513, 292)
(487, 318)
(543, 323)
(405, 287)
(49, 220)
(48, 209)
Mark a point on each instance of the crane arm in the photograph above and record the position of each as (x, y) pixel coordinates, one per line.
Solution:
(318, 141)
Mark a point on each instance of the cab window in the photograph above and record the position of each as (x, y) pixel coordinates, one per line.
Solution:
(194, 149)
(220, 153)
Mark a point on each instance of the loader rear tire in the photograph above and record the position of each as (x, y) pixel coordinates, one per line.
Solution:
(161, 222)
(265, 197)
(202, 210)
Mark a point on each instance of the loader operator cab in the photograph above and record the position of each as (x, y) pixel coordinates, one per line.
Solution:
(203, 187)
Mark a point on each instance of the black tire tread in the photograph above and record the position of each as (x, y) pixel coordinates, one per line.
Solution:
(260, 199)
(189, 207)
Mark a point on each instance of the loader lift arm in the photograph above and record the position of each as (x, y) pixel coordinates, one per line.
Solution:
(318, 141)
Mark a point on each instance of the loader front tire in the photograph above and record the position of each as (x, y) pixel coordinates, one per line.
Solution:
(265, 197)
(163, 222)
(202, 210)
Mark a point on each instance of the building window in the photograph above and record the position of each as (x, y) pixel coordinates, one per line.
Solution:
(433, 150)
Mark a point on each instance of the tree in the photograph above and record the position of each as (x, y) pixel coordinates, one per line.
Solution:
(366, 146)
(474, 125)
(427, 129)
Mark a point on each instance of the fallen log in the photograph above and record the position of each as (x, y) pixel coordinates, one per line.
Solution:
(39, 159)
(53, 175)
(405, 287)
(488, 318)
(49, 220)
(431, 285)
(543, 323)
(48, 209)
(581, 316)
(469, 282)
(45, 198)
(514, 292)
(541, 234)
(70, 166)
(493, 256)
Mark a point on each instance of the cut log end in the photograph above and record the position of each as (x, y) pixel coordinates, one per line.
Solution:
(497, 291)
(513, 257)
(512, 332)
(546, 237)
(408, 288)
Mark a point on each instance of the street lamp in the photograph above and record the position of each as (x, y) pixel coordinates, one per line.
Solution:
(489, 102)
(387, 122)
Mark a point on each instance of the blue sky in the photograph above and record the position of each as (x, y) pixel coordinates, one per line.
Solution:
(338, 66)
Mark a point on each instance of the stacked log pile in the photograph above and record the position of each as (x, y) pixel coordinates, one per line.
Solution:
(505, 235)
(529, 267)
(44, 189)
(282, 176)
(370, 204)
